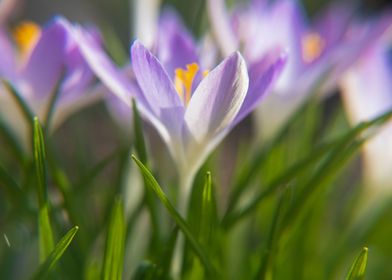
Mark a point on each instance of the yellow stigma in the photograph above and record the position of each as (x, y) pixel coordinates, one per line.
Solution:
(183, 81)
(312, 47)
(26, 35)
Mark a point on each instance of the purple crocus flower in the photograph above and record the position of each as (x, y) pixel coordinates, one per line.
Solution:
(192, 109)
(34, 65)
(367, 93)
(318, 53)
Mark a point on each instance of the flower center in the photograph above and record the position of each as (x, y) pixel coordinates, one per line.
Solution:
(312, 47)
(183, 81)
(26, 35)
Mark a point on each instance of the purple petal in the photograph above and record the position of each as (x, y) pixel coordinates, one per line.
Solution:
(176, 47)
(43, 68)
(262, 75)
(217, 99)
(103, 67)
(157, 88)
(367, 87)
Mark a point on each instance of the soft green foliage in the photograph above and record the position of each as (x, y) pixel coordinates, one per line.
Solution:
(115, 242)
(55, 255)
(291, 207)
(358, 268)
(181, 223)
(45, 230)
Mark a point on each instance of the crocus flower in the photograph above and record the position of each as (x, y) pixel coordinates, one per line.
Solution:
(318, 53)
(191, 108)
(34, 62)
(367, 93)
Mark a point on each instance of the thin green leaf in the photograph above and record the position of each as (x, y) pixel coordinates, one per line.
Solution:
(153, 184)
(27, 112)
(208, 212)
(45, 230)
(273, 235)
(115, 243)
(52, 102)
(358, 268)
(146, 271)
(55, 255)
(40, 162)
(341, 142)
(141, 151)
(139, 138)
(249, 171)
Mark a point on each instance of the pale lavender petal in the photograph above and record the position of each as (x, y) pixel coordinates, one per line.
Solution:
(262, 75)
(145, 20)
(367, 93)
(367, 86)
(157, 88)
(221, 28)
(43, 68)
(359, 39)
(103, 67)
(217, 99)
(175, 46)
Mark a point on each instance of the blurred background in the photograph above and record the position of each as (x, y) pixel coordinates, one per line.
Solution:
(97, 139)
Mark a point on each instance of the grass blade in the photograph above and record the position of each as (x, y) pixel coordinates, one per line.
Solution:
(358, 268)
(45, 230)
(139, 138)
(115, 243)
(195, 245)
(27, 112)
(55, 255)
(52, 102)
(336, 145)
(208, 212)
(141, 151)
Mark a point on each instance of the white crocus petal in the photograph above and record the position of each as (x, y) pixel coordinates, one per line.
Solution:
(213, 107)
(145, 15)
(220, 25)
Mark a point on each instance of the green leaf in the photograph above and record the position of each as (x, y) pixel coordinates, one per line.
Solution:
(139, 138)
(146, 271)
(141, 151)
(208, 212)
(273, 235)
(115, 243)
(181, 223)
(45, 230)
(51, 261)
(336, 147)
(27, 112)
(358, 268)
(52, 102)
(40, 162)
(249, 170)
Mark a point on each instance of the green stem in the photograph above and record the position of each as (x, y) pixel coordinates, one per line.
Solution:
(185, 190)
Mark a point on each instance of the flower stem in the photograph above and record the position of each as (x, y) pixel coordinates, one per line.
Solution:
(185, 189)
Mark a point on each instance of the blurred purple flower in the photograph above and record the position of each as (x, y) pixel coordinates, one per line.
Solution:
(35, 61)
(367, 93)
(317, 54)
